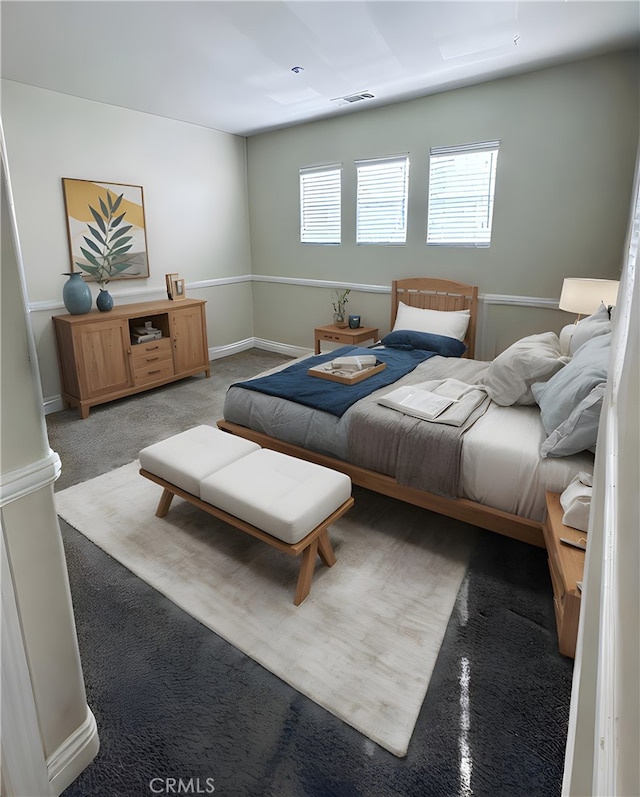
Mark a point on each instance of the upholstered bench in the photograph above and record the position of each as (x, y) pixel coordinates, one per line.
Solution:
(283, 501)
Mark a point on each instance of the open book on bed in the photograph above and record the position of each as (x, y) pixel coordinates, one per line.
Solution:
(448, 401)
(417, 402)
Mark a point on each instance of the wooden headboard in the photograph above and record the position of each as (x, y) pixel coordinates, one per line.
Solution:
(437, 294)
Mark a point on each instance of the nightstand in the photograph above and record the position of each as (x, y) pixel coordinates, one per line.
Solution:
(566, 565)
(344, 335)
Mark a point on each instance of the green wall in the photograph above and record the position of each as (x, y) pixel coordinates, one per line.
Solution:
(568, 143)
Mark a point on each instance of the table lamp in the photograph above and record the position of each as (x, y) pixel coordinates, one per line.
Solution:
(583, 296)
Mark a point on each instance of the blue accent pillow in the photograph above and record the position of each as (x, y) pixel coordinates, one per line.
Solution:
(571, 400)
(425, 341)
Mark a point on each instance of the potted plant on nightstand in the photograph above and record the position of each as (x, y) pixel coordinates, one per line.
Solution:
(339, 307)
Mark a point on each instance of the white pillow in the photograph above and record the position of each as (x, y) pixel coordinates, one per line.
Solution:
(535, 358)
(590, 327)
(451, 323)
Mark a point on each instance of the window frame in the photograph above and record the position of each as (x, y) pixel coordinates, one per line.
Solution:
(367, 212)
(472, 235)
(310, 204)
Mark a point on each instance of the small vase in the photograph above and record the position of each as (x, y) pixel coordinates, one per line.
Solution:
(76, 294)
(104, 302)
(338, 320)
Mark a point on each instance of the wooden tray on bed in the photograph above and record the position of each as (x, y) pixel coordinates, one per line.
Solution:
(350, 379)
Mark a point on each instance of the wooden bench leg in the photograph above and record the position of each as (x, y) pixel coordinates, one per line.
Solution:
(325, 549)
(306, 572)
(165, 502)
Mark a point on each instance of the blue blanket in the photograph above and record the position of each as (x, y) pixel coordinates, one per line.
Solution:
(294, 384)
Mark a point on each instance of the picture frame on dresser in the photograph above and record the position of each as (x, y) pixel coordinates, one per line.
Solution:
(178, 290)
(168, 278)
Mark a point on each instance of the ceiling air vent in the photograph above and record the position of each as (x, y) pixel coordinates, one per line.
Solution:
(365, 95)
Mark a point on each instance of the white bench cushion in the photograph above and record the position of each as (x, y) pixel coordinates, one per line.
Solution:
(284, 496)
(187, 458)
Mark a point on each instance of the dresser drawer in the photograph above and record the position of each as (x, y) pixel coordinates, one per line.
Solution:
(143, 373)
(152, 361)
(151, 351)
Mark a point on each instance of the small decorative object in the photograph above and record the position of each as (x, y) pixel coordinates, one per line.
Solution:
(177, 289)
(76, 294)
(339, 307)
(168, 278)
(106, 230)
(354, 321)
(104, 301)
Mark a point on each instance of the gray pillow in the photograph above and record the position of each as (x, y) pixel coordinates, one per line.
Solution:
(535, 358)
(590, 327)
(559, 396)
(580, 431)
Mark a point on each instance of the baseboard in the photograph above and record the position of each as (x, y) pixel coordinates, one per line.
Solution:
(74, 755)
(217, 352)
(53, 404)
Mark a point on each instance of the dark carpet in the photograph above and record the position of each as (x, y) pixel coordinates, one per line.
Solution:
(179, 710)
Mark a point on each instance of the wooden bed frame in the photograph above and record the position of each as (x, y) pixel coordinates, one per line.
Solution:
(433, 294)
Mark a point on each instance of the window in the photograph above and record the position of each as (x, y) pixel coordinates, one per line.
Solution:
(320, 205)
(462, 183)
(381, 214)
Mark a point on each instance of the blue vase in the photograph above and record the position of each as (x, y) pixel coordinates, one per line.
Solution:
(76, 294)
(104, 301)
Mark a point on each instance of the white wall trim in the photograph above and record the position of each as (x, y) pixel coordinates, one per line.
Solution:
(219, 281)
(23, 766)
(314, 283)
(519, 301)
(73, 755)
(139, 294)
(218, 352)
(22, 481)
(152, 293)
(281, 348)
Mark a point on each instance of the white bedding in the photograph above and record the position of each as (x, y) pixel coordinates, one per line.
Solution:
(501, 465)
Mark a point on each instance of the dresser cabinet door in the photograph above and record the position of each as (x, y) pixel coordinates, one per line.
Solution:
(102, 351)
(189, 338)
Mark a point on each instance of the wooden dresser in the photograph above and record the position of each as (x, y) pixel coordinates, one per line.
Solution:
(99, 362)
(566, 565)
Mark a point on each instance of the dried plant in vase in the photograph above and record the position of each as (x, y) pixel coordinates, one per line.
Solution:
(339, 307)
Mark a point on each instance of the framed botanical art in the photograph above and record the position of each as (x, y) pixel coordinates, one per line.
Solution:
(106, 230)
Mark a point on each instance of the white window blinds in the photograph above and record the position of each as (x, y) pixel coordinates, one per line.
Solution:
(320, 205)
(381, 213)
(462, 182)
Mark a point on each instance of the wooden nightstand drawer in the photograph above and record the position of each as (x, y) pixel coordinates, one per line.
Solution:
(347, 335)
(566, 566)
(334, 336)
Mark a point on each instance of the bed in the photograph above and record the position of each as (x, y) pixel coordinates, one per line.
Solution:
(497, 471)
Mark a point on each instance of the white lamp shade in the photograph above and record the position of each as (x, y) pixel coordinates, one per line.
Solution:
(583, 296)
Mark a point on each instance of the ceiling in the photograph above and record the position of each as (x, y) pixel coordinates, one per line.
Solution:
(229, 65)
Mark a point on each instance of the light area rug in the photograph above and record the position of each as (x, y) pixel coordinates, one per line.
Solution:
(363, 645)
